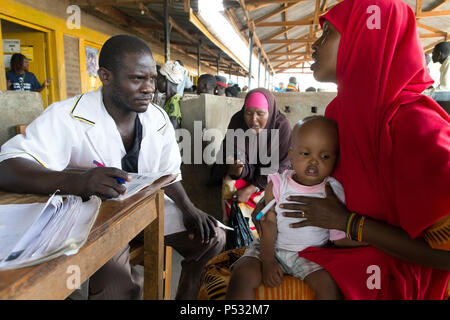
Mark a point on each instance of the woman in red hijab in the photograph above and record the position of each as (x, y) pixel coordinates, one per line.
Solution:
(394, 157)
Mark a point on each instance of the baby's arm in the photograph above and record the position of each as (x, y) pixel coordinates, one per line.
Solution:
(272, 273)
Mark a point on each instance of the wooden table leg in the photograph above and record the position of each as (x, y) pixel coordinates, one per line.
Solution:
(154, 253)
(167, 272)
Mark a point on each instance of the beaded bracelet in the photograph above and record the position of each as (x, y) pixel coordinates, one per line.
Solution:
(348, 226)
(360, 228)
(354, 227)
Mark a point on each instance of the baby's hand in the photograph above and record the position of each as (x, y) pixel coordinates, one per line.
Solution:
(272, 273)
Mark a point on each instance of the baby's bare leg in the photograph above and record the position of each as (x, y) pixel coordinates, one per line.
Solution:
(324, 286)
(246, 276)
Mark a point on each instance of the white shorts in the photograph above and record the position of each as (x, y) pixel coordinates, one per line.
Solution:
(289, 261)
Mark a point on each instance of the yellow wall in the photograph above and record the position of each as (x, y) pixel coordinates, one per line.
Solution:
(54, 29)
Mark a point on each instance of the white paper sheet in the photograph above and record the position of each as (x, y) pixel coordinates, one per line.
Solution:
(10, 230)
(138, 182)
(39, 232)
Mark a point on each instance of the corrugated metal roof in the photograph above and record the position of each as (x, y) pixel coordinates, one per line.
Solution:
(153, 29)
(306, 9)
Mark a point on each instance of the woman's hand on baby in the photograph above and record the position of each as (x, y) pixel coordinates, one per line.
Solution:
(272, 273)
(328, 213)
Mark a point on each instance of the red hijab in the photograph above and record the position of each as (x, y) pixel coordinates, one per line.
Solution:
(394, 143)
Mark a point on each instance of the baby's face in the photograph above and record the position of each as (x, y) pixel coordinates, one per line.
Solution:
(313, 153)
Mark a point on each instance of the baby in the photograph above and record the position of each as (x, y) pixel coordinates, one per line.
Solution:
(313, 155)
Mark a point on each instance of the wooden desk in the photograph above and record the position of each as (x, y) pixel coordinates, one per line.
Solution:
(117, 223)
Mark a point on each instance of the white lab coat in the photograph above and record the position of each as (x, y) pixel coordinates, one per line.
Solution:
(74, 132)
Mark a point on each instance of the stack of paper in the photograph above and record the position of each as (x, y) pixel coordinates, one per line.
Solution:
(37, 232)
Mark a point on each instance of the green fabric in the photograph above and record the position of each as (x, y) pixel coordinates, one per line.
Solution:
(172, 107)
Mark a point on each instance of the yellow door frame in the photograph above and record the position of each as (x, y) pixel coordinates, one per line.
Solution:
(55, 88)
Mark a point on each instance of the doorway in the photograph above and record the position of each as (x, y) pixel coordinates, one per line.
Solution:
(32, 43)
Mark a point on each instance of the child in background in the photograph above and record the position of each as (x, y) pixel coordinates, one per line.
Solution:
(313, 155)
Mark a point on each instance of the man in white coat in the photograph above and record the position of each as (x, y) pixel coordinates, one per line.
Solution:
(118, 126)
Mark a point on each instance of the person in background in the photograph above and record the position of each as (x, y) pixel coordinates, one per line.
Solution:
(206, 84)
(169, 77)
(441, 54)
(159, 98)
(186, 83)
(280, 87)
(241, 176)
(232, 91)
(19, 79)
(292, 85)
(221, 85)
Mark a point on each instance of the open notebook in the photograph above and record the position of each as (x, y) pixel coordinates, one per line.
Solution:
(38, 232)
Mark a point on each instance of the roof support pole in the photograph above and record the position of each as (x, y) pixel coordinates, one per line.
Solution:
(218, 64)
(265, 75)
(259, 67)
(198, 57)
(166, 31)
(250, 45)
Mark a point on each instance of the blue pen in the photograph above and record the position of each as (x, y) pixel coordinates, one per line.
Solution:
(265, 209)
(119, 180)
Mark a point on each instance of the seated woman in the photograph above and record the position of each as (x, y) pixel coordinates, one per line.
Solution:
(246, 177)
(394, 157)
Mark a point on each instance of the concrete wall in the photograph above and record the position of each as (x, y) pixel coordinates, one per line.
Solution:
(216, 111)
(17, 108)
(213, 111)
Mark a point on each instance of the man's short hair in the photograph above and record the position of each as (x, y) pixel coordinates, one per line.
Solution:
(115, 48)
(221, 79)
(209, 79)
(293, 80)
(443, 48)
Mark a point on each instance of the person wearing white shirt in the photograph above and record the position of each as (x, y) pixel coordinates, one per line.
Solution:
(441, 54)
(118, 126)
(186, 83)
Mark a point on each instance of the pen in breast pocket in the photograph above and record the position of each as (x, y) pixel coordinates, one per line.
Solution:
(265, 209)
(119, 180)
